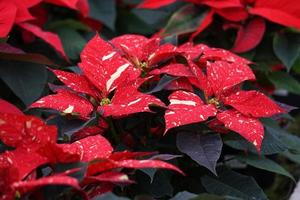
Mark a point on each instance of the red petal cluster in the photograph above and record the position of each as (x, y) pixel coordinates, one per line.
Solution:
(35, 146)
(114, 71)
(22, 13)
(249, 34)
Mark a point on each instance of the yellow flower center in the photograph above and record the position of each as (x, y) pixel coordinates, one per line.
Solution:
(215, 102)
(105, 101)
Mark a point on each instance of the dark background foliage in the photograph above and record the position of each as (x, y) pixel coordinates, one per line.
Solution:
(242, 172)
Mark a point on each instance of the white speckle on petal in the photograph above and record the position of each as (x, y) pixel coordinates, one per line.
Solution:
(69, 109)
(254, 143)
(116, 75)
(176, 101)
(135, 101)
(2, 122)
(108, 56)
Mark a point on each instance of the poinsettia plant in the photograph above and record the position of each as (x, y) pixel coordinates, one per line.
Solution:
(149, 99)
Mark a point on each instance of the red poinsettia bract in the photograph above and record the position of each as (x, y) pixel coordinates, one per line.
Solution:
(34, 145)
(111, 77)
(249, 35)
(113, 72)
(30, 16)
(238, 110)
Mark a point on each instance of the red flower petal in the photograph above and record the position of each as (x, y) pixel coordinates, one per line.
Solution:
(112, 162)
(83, 7)
(25, 131)
(66, 102)
(248, 127)
(24, 187)
(23, 14)
(162, 53)
(253, 103)
(282, 12)
(65, 3)
(223, 75)
(200, 79)
(6, 107)
(186, 108)
(221, 54)
(250, 36)
(114, 177)
(7, 18)
(191, 51)
(140, 164)
(128, 101)
(208, 18)
(180, 84)
(76, 82)
(51, 38)
(104, 66)
(94, 147)
(152, 4)
(86, 150)
(219, 4)
(174, 70)
(236, 14)
(132, 45)
(125, 155)
(22, 161)
(87, 131)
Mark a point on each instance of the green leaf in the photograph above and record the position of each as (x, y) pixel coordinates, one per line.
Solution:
(206, 196)
(104, 11)
(28, 57)
(295, 157)
(233, 184)
(296, 66)
(185, 20)
(203, 149)
(68, 23)
(287, 48)
(264, 163)
(291, 141)
(72, 41)
(160, 186)
(26, 80)
(282, 80)
(136, 25)
(109, 196)
(183, 196)
(271, 144)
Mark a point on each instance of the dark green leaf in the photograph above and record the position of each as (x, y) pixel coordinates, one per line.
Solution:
(282, 80)
(28, 57)
(68, 23)
(104, 11)
(264, 163)
(206, 196)
(233, 184)
(72, 41)
(183, 196)
(185, 20)
(271, 144)
(150, 172)
(291, 141)
(159, 187)
(26, 80)
(287, 48)
(109, 196)
(204, 149)
(295, 157)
